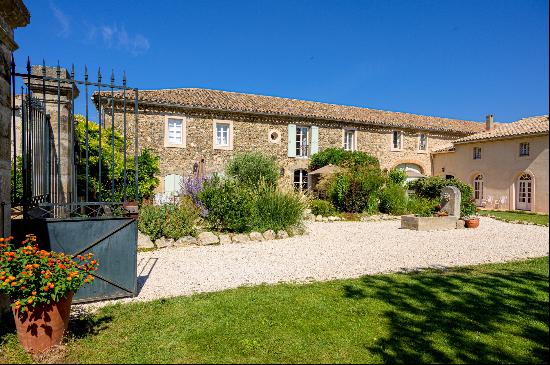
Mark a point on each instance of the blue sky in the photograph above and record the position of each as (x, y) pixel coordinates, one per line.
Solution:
(458, 59)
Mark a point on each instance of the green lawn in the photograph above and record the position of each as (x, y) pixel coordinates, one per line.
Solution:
(488, 313)
(514, 215)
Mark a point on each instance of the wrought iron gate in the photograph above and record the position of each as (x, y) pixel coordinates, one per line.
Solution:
(63, 186)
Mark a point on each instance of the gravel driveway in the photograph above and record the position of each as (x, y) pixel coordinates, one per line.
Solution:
(330, 251)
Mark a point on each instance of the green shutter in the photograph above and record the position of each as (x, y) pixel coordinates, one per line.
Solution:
(314, 139)
(169, 183)
(292, 140)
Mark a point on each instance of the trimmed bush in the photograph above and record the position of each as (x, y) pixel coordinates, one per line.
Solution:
(430, 187)
(340, 157)
(278, 210)
(356, 190)
(423, 207)
(231, 206)
(393, 199)
(397, 176)
(253, 168)
(322, 207)
(168, 220)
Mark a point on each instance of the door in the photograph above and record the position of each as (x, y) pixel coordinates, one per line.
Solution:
(524, 191)
(478, 190)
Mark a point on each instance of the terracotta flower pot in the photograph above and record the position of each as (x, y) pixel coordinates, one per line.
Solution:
(472, 223)
(43, 326)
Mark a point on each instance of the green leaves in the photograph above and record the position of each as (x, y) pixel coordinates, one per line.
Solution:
(148, 164)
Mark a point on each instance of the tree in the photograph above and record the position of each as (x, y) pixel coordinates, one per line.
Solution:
(148, 165)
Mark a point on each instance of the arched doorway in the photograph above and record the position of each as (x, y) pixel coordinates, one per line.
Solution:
(412, 170)
(524, 190)
(478, 189)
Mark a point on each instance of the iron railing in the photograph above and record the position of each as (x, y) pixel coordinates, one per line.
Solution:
(45, 130)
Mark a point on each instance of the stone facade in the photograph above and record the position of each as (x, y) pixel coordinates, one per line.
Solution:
(13, 14)
(252, 133)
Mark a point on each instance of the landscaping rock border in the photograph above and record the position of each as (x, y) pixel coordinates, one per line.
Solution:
(209, 238)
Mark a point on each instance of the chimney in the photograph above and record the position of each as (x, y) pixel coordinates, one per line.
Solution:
(489, 122)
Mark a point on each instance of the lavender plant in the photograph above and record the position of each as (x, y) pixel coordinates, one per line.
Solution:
(191, 187)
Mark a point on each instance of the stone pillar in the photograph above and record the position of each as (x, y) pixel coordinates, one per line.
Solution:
(13, 14)
(59, 110)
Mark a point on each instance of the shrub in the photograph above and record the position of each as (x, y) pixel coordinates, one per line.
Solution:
(393, 199)
(356, 190)
(253, 168)
(340, 157)
(423, 207)
(322, 207)
(191, 188)
(168, 220)
(397, 176)
(430, 187)
(231, 206)
(278, 210)
(180, 219)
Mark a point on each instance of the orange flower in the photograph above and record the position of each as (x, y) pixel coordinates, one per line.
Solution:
(33, 293)
(29, 301)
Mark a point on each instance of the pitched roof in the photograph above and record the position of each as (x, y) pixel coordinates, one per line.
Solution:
(525, 126)
(217, 100)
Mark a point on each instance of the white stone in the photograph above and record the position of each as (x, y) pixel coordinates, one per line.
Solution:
(224, 239)
(325, 219)
(164, 242)
(269, 235)
(144, 241)
(240, 238)
(282, 234)
(256, 236)
(319, 218)
(185, 241)
(207, 238)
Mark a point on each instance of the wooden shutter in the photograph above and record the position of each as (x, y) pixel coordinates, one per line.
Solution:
(292, 140)
(314, 139)
(169, 183)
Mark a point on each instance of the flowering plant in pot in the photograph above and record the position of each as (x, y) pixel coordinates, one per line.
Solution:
(471, 221)
(41, 285)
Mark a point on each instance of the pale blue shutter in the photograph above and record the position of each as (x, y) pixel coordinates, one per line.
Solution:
(314, 139)
(292, 140)
(169, 183)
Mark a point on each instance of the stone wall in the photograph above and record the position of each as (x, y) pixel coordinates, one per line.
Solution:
(251, 133)
(13, 14)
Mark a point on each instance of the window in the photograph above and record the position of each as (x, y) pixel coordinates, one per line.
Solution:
(422, 142)
(397, 140)
(524, 149)
(477, 153)
(349, 140)
(300, 180)
(302, 142)
(223, 134)
(174, 132)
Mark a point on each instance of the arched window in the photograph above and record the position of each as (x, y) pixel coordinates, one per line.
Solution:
(478, 189)
(300, 180)
(172, 183)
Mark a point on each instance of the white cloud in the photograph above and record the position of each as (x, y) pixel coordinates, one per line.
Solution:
(63, 20)
(113, 36)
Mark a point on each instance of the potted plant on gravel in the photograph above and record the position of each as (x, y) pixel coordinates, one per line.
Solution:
(471, 221)
(41, 285)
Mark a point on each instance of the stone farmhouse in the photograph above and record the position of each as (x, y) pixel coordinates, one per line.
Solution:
(507, 164)
(200, 129)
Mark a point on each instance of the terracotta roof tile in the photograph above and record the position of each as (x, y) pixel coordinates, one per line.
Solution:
(217, 100)
(525, 126)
